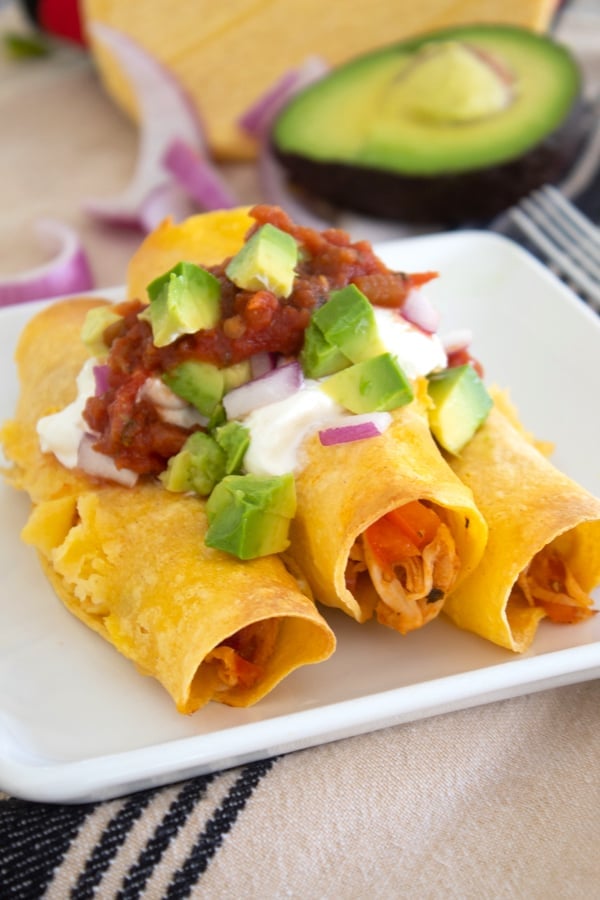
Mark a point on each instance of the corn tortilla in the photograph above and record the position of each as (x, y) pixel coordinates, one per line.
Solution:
(345, 488)
(529, 505)
(340, 489)
(131, 562)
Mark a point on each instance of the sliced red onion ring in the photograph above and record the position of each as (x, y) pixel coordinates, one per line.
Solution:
(418, 310)
(277, 190)
(101, 374)
(67, 273)
(459, 339)
(355, 428)
(165, 114)
(258, 118)
(275, 385)
(198, 176)
(99, 465)
(165, 200)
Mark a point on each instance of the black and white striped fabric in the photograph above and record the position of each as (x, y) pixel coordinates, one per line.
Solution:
(492, 803)
(58, 851)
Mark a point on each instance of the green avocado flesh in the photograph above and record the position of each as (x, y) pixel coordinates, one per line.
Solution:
(450, 103)
(374, 385)
(182, 301)
(249, 515)
(200, 383)
(267, 260)
(198, 467)
(461, 404)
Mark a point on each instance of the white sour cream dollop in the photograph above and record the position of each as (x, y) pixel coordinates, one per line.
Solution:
(278, 429)
(61, 432)
(417, 352)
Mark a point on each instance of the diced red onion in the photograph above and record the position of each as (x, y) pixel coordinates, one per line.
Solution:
(99, 465)
(169, 405)
(67, 273)
(156, 391)
(418, 310)
(261, 363)
(456, 340)
(186, 417)
(275, 385)
(355, 428)
(199, 178)
(101, 378)
(165, 114)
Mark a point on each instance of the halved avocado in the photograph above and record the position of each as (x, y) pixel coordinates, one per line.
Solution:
(449, 127)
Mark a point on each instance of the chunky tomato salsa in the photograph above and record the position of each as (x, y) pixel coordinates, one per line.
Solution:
(129, 427)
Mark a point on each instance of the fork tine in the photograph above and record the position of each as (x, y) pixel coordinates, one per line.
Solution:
(573, 216)
(565, 234)
(570, 269)
(571, 221)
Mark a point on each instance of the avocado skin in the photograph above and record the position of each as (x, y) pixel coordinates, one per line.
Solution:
(462, 198)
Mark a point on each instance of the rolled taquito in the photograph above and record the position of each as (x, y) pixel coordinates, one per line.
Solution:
(132, 564)
(543, 552)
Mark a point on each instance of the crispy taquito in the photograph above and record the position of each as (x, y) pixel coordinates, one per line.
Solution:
(383, 526)
(543, 553)
(132, 564)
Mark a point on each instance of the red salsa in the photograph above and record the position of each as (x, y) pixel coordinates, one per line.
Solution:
(128, 426)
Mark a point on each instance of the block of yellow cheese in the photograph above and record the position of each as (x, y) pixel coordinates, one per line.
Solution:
(226, 55)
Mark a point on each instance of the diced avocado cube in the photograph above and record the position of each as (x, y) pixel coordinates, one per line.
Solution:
(238, 373)
(199, 465)
(461, 405)
(249, 515)
(318, 357)
(234, 439)
(184, 300)
(200, 383)
(267, 260)
(94, 325)
(218, 417)
(347, 321)
(374, 385)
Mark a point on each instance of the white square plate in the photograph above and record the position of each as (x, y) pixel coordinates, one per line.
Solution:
(77, 721)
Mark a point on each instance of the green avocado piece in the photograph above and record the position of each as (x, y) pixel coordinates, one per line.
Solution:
(347, 321)
(377, 384)
(447, 125)
(200, 383)
(249, 515)
(198, 467)
(237, 374)
(318, 357)
(94, 325)
(184, 300)
(267, 260)
(234, 439)
(461, 405)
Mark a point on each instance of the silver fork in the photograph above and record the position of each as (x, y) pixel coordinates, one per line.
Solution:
(568, 240)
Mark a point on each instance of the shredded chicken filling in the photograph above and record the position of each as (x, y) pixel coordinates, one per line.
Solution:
(548, 583)
(241, 659)
(411, 559)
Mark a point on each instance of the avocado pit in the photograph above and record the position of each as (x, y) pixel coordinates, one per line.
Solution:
(450, 82)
